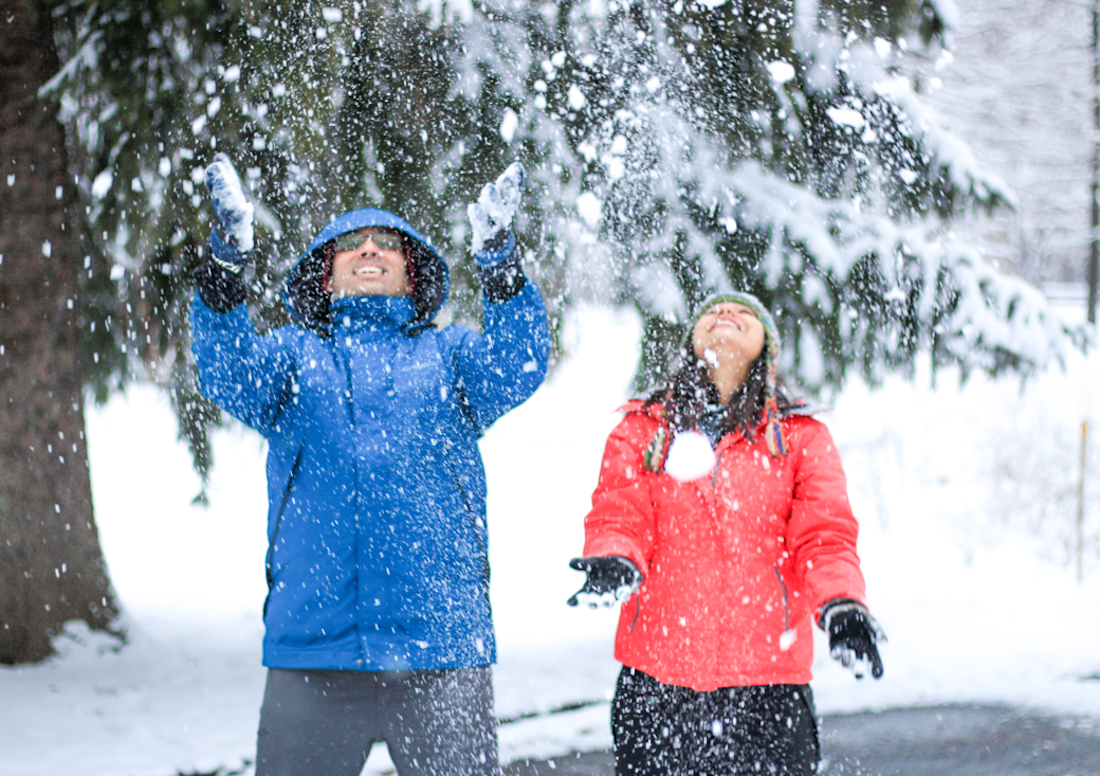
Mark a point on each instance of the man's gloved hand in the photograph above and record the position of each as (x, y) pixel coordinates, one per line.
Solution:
(231, 239)
(853, 636)
(610, 579)
(491, 217)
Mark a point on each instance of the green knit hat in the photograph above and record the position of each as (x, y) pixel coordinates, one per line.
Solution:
(772, 342)
(777, 445)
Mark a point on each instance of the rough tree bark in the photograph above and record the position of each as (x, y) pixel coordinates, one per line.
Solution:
(51, 565)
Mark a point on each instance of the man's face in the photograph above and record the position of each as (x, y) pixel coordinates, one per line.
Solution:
(369, 262)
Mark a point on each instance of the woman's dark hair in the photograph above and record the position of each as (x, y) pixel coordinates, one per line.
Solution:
(689, 391)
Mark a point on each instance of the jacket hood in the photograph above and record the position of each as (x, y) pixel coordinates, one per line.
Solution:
(305, 295)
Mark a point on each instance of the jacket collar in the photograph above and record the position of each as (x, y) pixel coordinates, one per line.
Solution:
(371, 313)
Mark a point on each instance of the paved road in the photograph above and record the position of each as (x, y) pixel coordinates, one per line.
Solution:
(936, 741)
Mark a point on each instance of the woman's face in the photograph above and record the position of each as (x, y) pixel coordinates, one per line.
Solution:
(728, 332)
(363, 266)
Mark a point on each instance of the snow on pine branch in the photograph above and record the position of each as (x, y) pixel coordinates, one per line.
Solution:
(949, 152)
(948, 14)
(986, 317)
(994, 314)
(655, 159)
(832, 65)
(86, 57)
(446, 11)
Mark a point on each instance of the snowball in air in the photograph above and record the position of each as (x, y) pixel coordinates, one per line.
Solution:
(846, 117)
(590, 207)
(781, 71)
(508, 125)
(576, 97)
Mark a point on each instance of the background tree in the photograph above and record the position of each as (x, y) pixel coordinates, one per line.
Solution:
(1017, 85)
(674, 148)
(781, 147)
(51, 566)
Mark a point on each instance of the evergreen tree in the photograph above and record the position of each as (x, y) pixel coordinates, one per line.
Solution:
(1018, 86)
(674, 147)
(780, 147)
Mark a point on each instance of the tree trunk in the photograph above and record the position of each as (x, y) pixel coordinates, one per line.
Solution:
(51, 565)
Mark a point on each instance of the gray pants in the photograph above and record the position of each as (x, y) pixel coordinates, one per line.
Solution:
(323, 723)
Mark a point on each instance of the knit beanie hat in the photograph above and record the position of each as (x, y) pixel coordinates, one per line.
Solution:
(773, 432)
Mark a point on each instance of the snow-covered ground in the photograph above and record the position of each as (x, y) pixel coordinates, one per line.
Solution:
(966, 497)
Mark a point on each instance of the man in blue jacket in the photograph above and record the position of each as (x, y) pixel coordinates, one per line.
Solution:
(378, 624)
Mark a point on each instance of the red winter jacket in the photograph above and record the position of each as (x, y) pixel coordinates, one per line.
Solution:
(737, 563)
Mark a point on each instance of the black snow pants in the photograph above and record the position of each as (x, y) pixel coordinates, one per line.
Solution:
(665, 730)
(435, 722)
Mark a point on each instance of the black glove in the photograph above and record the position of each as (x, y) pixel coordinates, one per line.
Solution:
(610, 579)
(853, 636)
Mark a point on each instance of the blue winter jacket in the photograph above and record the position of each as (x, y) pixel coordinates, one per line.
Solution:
(376, 522)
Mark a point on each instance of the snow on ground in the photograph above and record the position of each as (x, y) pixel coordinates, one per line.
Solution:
(945, 481)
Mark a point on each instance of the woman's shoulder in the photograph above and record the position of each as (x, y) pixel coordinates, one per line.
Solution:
(804, 431)
(802, 412)
(642, 411)
(640, 421)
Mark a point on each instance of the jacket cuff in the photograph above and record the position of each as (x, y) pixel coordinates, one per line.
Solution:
(224, 253)
(617, 548)
(836, 606)
(496, 249)
(630, 565)
(503, 280)
(220, 289)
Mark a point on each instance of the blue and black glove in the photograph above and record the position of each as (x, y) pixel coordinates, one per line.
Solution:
(853, 636)
(231, 238)
(611, 579)
(492, 242)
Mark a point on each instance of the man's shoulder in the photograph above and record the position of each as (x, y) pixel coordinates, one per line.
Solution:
(292, 332)
(451, 335)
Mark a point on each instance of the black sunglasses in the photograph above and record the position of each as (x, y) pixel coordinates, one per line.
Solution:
(385, 241)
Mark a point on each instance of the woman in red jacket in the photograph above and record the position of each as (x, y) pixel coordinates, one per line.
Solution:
(722, 518)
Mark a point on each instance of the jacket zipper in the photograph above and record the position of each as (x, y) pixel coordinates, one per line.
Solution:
(786, 604)
(473, 517)
(278, 523)
(460, 397)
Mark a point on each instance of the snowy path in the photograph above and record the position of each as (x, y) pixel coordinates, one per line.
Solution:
(961, 741)
(936, 741)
